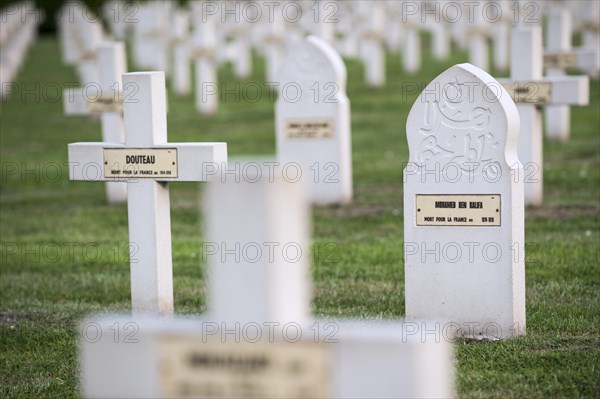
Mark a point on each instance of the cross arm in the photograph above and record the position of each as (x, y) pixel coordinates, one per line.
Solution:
(186, 162)
(551, 90)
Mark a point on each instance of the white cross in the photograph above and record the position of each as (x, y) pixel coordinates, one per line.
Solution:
(259, 283)
(559, 56)
(529, 90)
(147, 162)
(106, 102)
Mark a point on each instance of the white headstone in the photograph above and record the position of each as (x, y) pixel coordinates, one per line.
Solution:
(313, 121)
(463, 207)
(148, 163)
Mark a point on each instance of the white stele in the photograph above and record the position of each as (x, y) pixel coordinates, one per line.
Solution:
(148, 203)
(528, 85)
(313, 121)
(464, 260)
(258, 339)
(107, 102)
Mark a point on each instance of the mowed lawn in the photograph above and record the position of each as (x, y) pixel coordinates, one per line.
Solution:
(64, 251)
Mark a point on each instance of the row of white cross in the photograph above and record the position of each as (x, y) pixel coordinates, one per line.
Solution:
(268, 295)
(365, 28)
(213, 42)
(144, 108)
(526, 85)
(271, 296)
(477, 130)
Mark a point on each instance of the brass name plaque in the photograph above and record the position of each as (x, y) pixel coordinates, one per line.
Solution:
(191, 368)
(529, 92)
(140, 163)
(309, 129)
(560, 60)
(458, 210)
(202, 52)
(106, 104)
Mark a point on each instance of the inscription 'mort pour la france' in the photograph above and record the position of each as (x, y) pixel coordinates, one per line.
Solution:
(140, 163)
(458, 210)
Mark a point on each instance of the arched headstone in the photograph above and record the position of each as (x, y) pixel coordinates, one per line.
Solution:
(313, 121)
(464, 207)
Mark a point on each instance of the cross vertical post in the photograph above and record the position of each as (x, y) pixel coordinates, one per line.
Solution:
(147, 162)
(526, 65)
(148, 205)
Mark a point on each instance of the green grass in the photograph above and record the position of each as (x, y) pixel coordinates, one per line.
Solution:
(43, 295)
